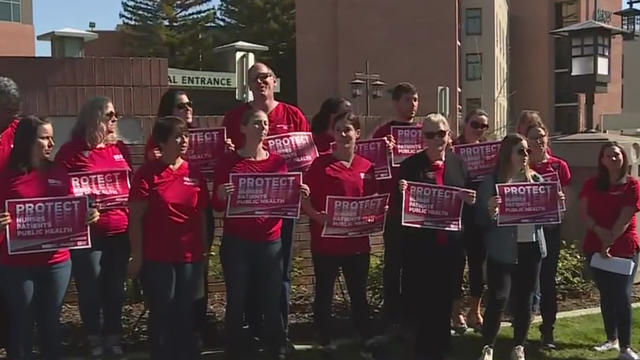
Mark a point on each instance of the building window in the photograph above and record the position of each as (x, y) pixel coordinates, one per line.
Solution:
(473, 21)
(10, 10)
(473, 104)
(474, 66)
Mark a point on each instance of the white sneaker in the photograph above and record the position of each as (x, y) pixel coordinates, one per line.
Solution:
(517, 353)
(608, 345)
(628, 354)
(487, 353)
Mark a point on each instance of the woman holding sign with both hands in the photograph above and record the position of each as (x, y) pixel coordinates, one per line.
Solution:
(35, 283)
(608, 204)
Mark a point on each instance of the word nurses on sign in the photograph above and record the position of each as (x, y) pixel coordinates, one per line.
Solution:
(297, 149)
(265, 195)
(355, 216)
(408, 142)
(432, 206)
(480, 158)
(109, 188)
(206, 147)
(528, 203)
(47, 224)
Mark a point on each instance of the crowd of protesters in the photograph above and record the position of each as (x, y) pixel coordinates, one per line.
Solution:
(163, 234)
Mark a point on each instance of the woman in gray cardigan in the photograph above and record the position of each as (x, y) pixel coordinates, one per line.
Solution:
(514, 253)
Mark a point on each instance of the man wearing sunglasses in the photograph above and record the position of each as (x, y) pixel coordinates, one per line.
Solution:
(283, 118)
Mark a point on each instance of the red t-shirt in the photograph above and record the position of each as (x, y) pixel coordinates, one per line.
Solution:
(604, 208)
(172, 225)
(35, 184)
(389, 186)
(329, 176)
(258, 229)
(284, 118)
(554, 165)
(6, 142)
(76, 156)
(323, 142)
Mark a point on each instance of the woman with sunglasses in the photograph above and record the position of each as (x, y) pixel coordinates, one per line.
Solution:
(608, 204)
(35, 283)
(513, 252)
(429, 261)
(173, 103)
(552, 169)
(100, 271)
(476, 124)
(322, 122)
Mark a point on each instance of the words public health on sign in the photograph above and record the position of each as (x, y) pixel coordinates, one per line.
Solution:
(480, 158)
(206, 147)
(408, 142)
(528, 203)
(47, 224)
(297, 149)
(355, 216)
(109, 188)
(432, 206)
(265, 195)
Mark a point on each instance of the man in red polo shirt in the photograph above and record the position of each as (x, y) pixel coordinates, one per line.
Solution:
(283, 118)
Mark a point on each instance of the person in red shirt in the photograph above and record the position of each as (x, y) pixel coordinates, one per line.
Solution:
(553, 169)
(168, 202)
(173, 103)
(340, 173)
(429, 266)
(322, 122)
(283, 118)
(405, 102)
(100, 271)
(34, 283)
(607, 207)
(251, 247)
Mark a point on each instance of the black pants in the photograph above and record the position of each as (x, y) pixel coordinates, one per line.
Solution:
(356, 270)
(200, 304)
(473, 256)
(428, 278)
(519, 280)
(392, 307)
(615, 303)
(549, 268)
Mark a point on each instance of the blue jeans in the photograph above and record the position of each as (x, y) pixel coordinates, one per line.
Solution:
(100, 273)
(35, 294)
(170, 290)
(242, 262)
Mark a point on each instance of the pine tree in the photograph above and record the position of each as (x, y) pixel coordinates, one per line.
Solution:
(176, 29)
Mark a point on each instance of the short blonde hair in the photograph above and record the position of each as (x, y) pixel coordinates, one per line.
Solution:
(436, 119)
(91, 116)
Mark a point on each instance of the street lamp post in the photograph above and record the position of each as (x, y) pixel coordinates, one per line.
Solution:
(630, 20)
(370, 83)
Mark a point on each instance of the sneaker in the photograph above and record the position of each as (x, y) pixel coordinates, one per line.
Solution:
(628, 354)
(487, 353)
(517, 353)
(458, 324)
(607, 345)
(546, 338)
(112, 346)
(95, 345)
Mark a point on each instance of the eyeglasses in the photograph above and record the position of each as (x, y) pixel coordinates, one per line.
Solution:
(537, 139)
(478, 126)
(184, 105)
(432, 134)
(111, 115)
(523, 151)
(263, 76)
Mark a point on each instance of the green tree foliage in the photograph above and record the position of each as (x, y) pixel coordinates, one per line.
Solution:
(176, 29)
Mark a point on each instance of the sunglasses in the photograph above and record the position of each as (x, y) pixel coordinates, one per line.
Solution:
(184, 105)
(111, 115)
(478, 126)
(523, 151)
(432, 134)
(263, 76)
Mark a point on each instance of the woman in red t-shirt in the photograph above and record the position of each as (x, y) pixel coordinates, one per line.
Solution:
(173, 103)
(251, 249)
(99, 272)
(34, 283)
(168, 203)
(322, 122)
(339, 173)
(608, 204)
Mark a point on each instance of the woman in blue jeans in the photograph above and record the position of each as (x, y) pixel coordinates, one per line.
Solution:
(34, 283)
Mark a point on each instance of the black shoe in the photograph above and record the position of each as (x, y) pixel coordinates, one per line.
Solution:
(546, 338)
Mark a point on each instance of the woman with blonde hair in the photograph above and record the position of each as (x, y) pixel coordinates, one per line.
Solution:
(100, 271)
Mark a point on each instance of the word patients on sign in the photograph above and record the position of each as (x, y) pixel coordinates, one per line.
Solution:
(408, 142)
(297, 149)
(109, 189)
(355, 216)
(206, 147)
(480, 158)
(47, 224)
(432, 206)
(528, 203)
(265, 195)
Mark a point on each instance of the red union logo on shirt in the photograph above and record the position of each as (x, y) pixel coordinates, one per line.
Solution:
(118, 157)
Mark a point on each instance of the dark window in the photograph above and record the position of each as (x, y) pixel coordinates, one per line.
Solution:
(472, 104)
(564, 91)
(473, 21)
(474, 66)
(567, 121)
(10, 10)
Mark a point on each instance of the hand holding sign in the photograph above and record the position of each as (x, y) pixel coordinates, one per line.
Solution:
(5, 219)
(93, 215)
(494, 206)
(224, 190)
(468, 196)
(305, 191)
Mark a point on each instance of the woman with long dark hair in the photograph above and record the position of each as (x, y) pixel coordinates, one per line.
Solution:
(513, 252)
(173, 103)
(608, 204)
(322, 122)
(34, 283)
